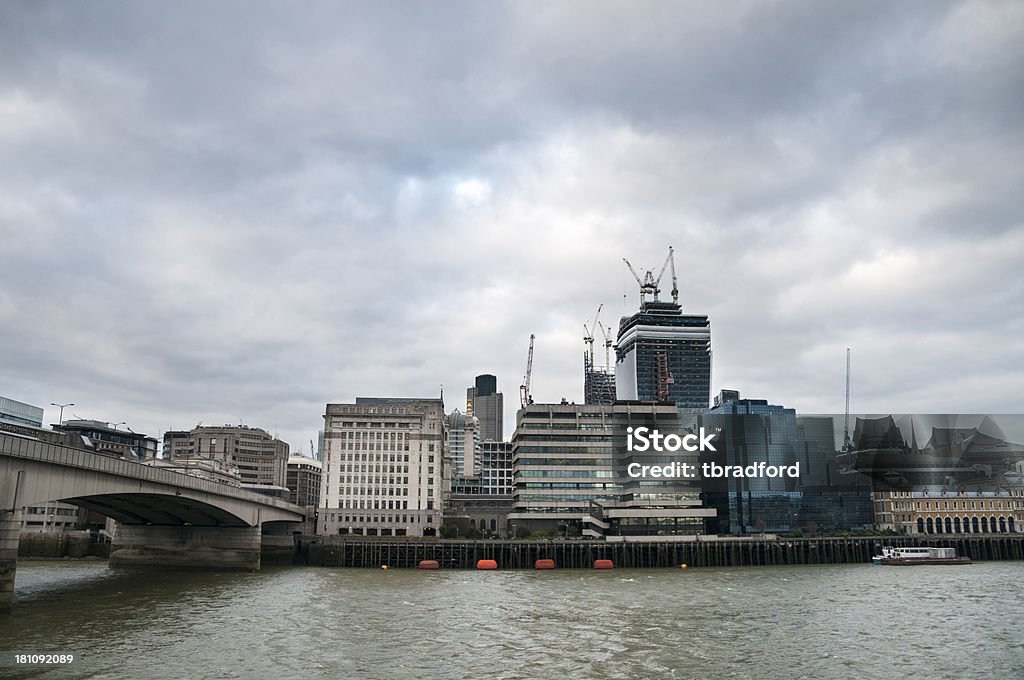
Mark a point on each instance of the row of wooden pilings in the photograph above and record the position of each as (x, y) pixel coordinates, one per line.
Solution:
(578, 554)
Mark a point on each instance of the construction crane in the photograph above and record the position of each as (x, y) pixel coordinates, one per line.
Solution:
(607, 346)
(588, 338)
(524, 389)
(649, 284)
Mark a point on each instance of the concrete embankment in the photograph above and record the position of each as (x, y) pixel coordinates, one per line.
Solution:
(58, 545)
(336, 551)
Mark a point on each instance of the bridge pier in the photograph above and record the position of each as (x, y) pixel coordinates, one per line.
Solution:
(10, 530)
(231, 548)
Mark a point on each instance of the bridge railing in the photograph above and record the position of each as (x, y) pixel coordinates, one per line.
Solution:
(32, 449)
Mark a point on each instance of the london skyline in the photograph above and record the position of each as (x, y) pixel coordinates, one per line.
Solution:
(303, 208)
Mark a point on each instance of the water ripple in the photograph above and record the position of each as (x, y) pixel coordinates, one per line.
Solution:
(769, 623)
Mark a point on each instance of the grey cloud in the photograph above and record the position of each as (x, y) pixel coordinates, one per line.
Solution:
(213, 212)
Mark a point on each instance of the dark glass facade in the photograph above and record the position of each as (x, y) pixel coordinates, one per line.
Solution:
(664, 355)
(821, 499)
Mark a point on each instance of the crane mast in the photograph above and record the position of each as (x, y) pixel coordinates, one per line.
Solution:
(649, 283)
(675, 285)
(524, 389)
(588, 338)
(607, 346)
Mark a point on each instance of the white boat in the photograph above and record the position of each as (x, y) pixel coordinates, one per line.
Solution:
(919, 555)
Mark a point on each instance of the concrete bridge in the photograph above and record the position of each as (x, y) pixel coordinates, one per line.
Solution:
(165, 518)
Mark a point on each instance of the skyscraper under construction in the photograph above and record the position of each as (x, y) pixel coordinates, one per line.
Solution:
(662, 354)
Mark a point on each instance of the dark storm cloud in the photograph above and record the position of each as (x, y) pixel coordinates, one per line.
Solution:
(240, 211)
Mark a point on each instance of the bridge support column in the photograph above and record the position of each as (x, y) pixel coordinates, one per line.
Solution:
(233, 548)
(10, 529)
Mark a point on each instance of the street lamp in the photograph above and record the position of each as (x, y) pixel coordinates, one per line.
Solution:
(62, 407)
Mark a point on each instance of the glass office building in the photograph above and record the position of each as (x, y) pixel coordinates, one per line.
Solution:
(570, 470)
(663, 355)
(752, 431)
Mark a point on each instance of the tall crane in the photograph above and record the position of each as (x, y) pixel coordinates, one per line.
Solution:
(607, 346)
(524, 389)
(588, 338)
(649, 284)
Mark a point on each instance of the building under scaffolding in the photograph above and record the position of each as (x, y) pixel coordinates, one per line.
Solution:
(598, 383)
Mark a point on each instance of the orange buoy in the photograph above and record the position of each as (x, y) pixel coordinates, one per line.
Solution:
(486, 564)
(429, 564)
(544, 564)
(603, 564)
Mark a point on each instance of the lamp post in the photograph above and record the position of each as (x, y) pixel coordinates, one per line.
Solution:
(61, 407)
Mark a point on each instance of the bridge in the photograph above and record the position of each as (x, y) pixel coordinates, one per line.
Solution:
(165, 518)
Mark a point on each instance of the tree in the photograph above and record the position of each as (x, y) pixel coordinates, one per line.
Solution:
(449, 531)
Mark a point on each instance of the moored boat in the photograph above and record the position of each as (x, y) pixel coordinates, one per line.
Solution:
(923, 555)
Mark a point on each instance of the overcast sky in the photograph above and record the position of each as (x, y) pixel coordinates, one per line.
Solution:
(226, 212)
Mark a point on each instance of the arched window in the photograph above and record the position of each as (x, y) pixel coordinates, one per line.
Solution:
(938, 525)
(1002, 525)
(949, 526)
(984, 525)
(974, 525)
(931, 526)
(1010, 522)
(956, 525)
(992, 526)
(920, 525)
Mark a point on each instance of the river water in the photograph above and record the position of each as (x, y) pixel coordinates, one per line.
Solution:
(845, 621)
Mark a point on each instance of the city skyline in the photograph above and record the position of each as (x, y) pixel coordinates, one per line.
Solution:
(302, 208)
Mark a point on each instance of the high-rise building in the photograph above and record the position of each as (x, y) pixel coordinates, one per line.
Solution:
(570, 470)
(383, 469)
(260, 457)
(752, 431)
(486, 403)
(496, 468)
(304, 480)
(463, 443)
(662, 354)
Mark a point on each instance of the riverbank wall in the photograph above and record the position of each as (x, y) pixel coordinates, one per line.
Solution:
(37, 545)
(337, 551)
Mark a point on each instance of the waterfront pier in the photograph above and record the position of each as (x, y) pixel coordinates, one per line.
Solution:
(579, 554)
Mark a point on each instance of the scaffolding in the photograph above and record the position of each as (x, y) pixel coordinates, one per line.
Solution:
(598, 383)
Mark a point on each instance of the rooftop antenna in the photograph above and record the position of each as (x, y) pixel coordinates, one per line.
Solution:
(846, 418)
